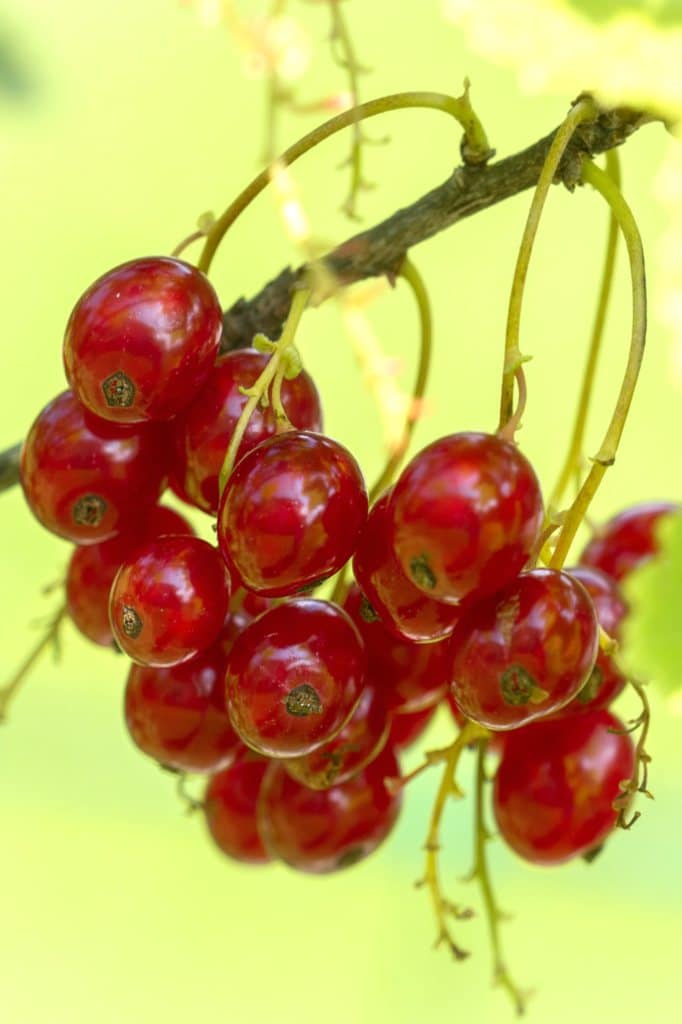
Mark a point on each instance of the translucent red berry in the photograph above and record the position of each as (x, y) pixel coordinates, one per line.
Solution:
(556, 784)
(407, 728)
(142, 339)
(92, 569)
(88, 480)
(403, 608)
(169, 601)
(465, 512)
(230, 808)
(325, 830)
(202, 432)
(358, 743)
(294, 677)
(177, 715)
(291, 512)
(627, 540)
(526, 651)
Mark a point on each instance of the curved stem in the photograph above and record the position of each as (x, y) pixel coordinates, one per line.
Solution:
(606, 455)
(341, 34)
(10, 689)
(481, 872)
(410, 274)
(258, 391)
(459, 108)
(571, 466)
(583, 110)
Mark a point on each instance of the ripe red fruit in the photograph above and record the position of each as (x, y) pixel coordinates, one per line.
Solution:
(291, 512)
(466, 512)
(406, 728)
(177, 716)
(403, 608)
(325, 830)
(202, 431)
(92, 570)
(230, 808)
(556, 784)
(169, 601)
(410, 676)
(606, 681)
(294, 676)
(524, 652)
(88, 480)
(627, 540)
(142, 339)
(358, 743)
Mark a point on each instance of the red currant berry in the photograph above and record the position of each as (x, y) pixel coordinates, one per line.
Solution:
(230, 808)
(466, 513)
(92, 569)
(406, 729)
(410, 676)
(556, 784)
(291, 512)
(177, 716)
(526, 651)
(142, 339)
(203, 430)
(606, 681)
(294, 676)
(403, 608)
(627, 540)
(325, 830)
(87, 480)
(358, 743)
(169, 601)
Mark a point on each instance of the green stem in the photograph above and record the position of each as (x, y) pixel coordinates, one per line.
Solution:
(583, 110)
(458, 107)
(258, 390)
(341, 34)
(10, 689)
(571, 467)
(606, 455)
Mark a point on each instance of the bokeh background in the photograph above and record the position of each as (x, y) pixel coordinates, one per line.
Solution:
(120, 123)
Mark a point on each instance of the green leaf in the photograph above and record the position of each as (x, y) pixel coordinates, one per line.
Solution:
(652, 647)
(659, 12)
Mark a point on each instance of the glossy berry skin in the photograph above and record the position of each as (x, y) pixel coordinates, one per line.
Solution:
(524, 652)
(177, 716)
(627, 540)
(142, 339)
(410, 676)
(403, 608)
(169, 601)
(87, 480)
(294, 677)
(611, 608)
(321, 831)
(92, 570)
(202, 432)
(556, 783)
(291, 512)
(466, 512)
(358, 743)
(230, 808)
(406, 729)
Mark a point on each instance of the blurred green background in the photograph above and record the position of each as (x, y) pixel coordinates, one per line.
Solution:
(119, 124)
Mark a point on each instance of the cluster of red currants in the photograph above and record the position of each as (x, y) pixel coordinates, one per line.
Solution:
(297, 707)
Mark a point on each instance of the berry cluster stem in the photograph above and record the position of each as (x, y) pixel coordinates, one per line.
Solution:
(347, 59)
(50, 636)
(481, 872)
(258, 392)
(475, 148)
(572, 463)
(606, 455)
(639, 782)
(583, 110)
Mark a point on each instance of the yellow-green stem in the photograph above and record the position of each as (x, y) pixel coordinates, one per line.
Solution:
(581, 111)
(458, 107)
(341, 34)
(606, 455)
(481, 872)
(258, 390)
(572, 462)
(10, 689)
